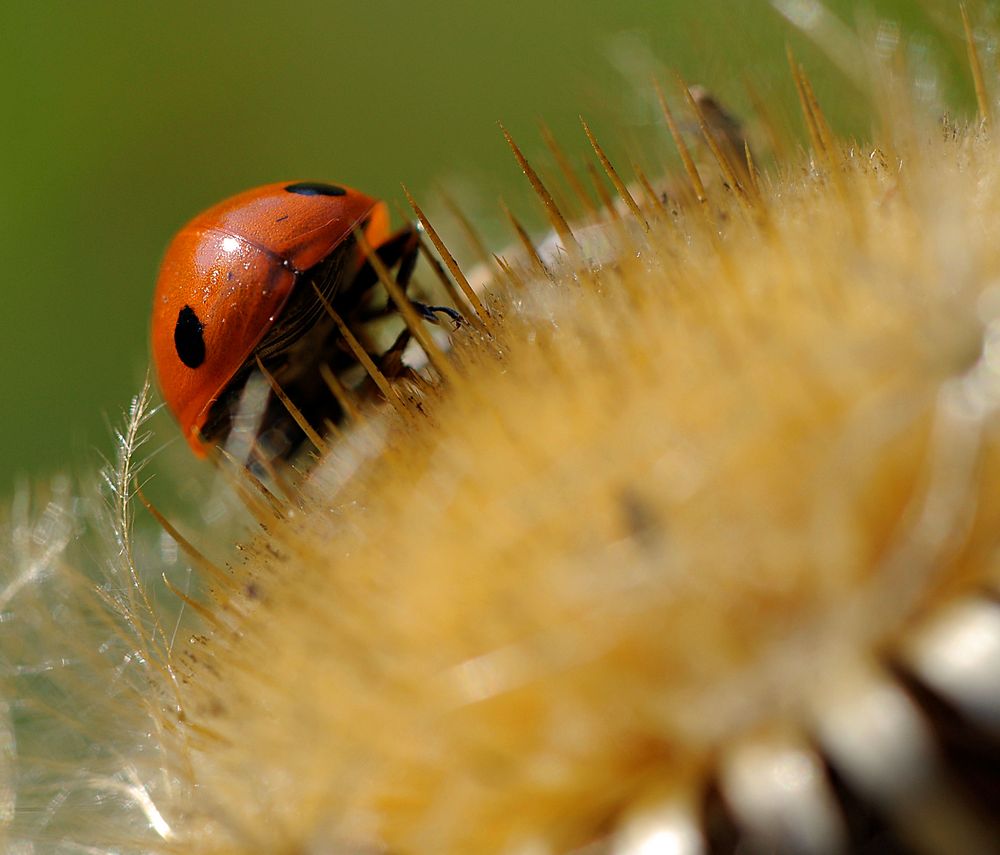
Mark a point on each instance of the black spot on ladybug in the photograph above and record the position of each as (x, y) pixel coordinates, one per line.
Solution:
(188, 338)
(315, 188)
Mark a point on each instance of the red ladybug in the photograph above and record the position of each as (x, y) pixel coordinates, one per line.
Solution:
(237, 284)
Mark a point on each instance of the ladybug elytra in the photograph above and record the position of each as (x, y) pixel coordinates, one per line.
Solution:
(238, 283)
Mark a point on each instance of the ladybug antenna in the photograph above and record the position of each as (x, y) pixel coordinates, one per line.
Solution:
(362, 355)
(450, 263)
(412, 319)
(612, 173)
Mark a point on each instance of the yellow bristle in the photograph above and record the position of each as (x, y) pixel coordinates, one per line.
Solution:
(552, 211)
(613, 176)
(318, 442)
(450, 262)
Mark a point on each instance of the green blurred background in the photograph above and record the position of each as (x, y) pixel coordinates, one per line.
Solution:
(122, 120)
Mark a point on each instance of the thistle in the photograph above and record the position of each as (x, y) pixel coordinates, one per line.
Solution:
(685, 541)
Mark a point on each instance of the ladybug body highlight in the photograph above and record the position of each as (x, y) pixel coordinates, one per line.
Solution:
(238, 283)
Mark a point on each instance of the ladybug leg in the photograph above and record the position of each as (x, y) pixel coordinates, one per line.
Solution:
(391, 362)
(402, 248)
(408, 252)
(430, 313)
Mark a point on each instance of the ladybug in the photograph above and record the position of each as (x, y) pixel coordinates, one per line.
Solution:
(238, 283)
